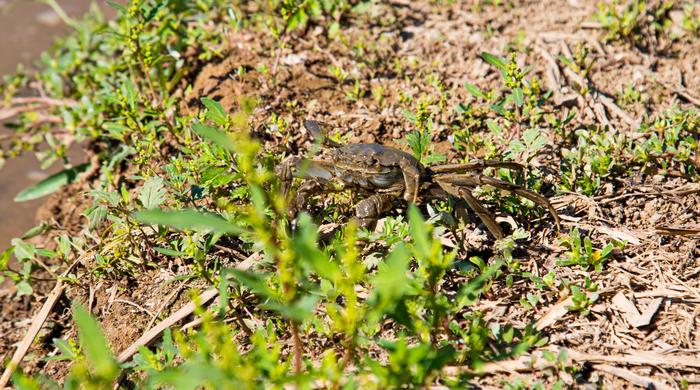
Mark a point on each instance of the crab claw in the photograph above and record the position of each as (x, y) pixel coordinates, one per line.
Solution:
(314, 127)
(285, 172)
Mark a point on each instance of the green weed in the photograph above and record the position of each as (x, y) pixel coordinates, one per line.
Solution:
(635, 21)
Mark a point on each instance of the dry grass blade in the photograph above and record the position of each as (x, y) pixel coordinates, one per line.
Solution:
(620, 113)
(626, 307)
(554, 314)
(645, 318)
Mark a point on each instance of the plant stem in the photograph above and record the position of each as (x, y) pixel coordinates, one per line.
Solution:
(297, 349)
(61, 13)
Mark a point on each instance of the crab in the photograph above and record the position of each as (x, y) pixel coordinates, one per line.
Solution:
(383, 175)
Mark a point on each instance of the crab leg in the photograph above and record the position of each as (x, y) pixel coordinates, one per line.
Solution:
(368, 210)
(307, 189)
(411, 177)
(317, 133)
(285, 171)
(316, 173)
(486, 217)
(477, 165)
(475, 180)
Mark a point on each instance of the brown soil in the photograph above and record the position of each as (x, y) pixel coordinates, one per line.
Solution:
(440, 45)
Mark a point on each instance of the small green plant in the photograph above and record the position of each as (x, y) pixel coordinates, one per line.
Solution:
(356, 93)
(419, 140)
(583, 298)
(691, 18)
(581, 64)
(629, 96)
(670, 142)
(635, 21)
(596, 156)
(339, 74)
(581, 252)
(518, 103)
(378, 95)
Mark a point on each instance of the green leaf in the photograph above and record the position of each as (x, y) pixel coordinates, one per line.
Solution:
(110, 198)
(24, 382)
(129, 92)
(476, 92)
(152, 194)
(305, 243)
(470, 292)
(117, 130)
(23, 250)
(24, 288)
(188, 219)
(36, 230)
(5, 257)
(498, 62)
(46, 253)
(299, 311)
(516, 146)
(67, 352)
(117, 6)
(169, 252)
(419, 232)
(493, 126)
(51, 184)
(256, 282)
(214, 136)
(216, 176)
(518, 97)
(409, 115)
(95, 216)
(390, 285)
(215, 111)
(94, 344)
(498, 108)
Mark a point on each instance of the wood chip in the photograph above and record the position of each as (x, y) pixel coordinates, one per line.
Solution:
(646, 317)
(626, 307)
(554, 314)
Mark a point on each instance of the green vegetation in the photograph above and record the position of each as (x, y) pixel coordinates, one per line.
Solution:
(636, 21)
(187, 182)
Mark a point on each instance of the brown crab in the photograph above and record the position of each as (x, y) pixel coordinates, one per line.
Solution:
(383, 174)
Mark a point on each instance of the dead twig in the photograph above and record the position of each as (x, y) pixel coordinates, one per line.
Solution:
(536, 361)
(156, 331)
(615, 109)
(165, 304)
(631, 377)
(150, 335)
(677, 231)
(37, 323)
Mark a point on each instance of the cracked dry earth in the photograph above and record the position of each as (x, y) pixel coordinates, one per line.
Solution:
(644, 328)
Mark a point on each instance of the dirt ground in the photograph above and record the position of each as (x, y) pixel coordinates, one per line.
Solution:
(655, 274)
